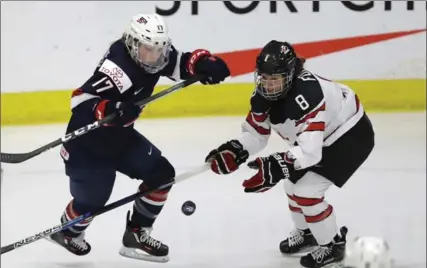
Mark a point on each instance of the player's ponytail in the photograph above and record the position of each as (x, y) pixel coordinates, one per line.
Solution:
(299, 66)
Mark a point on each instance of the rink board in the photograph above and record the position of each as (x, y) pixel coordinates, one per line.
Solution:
(198, 100)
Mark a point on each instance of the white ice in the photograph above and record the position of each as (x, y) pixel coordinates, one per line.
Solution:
(386, 198)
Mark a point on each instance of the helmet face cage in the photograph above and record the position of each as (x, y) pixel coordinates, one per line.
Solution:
(152, 57)
(273, 86)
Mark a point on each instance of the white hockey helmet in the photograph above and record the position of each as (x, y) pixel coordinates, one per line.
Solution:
(368, 252)
(148, 42)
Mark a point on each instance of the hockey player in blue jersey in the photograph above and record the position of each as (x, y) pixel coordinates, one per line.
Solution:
(127, 73)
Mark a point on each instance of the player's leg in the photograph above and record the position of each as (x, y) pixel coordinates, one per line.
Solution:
(90, 187)
(145, 162)
(309, 195)
(338, 164)
(300, 239)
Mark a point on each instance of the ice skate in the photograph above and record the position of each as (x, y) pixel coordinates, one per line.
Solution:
(299, 241)
(327, 256)
(76, 245)
(138, 244)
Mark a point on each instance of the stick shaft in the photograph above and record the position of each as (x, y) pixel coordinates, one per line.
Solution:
(109, 207)
(21, 157)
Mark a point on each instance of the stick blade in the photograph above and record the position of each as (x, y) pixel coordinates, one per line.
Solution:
(14, 158)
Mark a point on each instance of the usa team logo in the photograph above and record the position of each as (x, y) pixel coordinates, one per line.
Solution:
(142, 20)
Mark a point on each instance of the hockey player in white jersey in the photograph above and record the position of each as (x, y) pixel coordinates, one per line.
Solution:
(329, 134)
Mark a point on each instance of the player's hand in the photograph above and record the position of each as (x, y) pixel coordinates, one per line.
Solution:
(127, 112)
(227, 158)
(271, 170)
(213, 69)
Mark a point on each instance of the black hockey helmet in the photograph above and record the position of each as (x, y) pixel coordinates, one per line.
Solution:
(275, 69)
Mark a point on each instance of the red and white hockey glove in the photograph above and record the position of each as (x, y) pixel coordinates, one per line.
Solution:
(213, 69)
(271, 170)
(227, 158)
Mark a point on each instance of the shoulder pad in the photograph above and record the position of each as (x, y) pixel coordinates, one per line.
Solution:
(259, 104)
(115, 64)
(306, 76)
(305, 96)
(171, 70)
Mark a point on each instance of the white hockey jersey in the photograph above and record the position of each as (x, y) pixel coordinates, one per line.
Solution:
(313, 115)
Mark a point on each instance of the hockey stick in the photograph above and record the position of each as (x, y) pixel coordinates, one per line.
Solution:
(21, 157)
(107, 208)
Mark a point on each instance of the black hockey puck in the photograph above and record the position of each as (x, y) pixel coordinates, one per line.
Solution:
(188, 208)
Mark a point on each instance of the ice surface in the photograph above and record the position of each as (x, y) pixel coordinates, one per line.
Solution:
(386, 197)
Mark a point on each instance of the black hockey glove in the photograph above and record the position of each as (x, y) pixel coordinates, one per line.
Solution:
(271, 170)
(128, 112)
(212, 68)
(227, 158)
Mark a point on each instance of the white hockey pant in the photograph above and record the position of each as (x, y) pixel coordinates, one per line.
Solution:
(308, 206)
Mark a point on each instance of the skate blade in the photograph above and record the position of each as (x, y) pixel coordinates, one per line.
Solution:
(332, 265)
(138, 254)
(299, 254)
